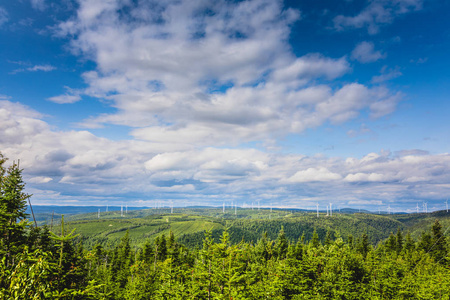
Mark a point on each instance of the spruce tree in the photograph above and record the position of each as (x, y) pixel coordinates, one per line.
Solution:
(438, 250)
(281, 244)
(13, 223)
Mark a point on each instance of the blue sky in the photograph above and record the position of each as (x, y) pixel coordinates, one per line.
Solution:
(203, 102)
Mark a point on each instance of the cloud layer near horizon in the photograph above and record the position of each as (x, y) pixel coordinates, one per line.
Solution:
(77, 165)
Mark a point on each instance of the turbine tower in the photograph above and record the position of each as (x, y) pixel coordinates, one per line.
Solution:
(223, 209)
(98, 213)
(317, 209)
(417, 207)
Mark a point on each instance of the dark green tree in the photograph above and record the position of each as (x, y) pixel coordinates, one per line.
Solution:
(438, 250)
(409, 243)
(13, 222)
(315, 242)
(281, 245)
(399, 241)
(364, 245)
(147, 253)
(391, 243)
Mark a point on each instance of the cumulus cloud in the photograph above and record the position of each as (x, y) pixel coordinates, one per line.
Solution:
(365, 52)
(377, 13)
(79, 166)
(195, 82)
(314, 174)
(180, 75)
(40, 179)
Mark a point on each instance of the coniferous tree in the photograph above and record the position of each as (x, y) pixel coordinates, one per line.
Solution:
(364, 245)
(147, 253)
(281, 245)
(13, 223)
(438, 249)
(409, 243)
(315, 242)
(391, 243)
(399, 241)
(426, 242)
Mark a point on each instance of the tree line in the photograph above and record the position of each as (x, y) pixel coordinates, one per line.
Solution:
(39, 264)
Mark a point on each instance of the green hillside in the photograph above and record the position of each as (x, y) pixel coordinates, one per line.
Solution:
(189, 225)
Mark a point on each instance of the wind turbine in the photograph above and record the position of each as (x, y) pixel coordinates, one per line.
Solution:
(327, 210)
(417, 207)
(389, 209)
(98, 213)
(317, 209)
(223, 209)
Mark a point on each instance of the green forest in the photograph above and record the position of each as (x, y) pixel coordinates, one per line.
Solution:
(287, 257)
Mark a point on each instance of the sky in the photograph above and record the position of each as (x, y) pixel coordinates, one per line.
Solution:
(286, 104)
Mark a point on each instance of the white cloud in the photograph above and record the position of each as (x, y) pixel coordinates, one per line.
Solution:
(365, 52)
(358, 177)
(378, 12)
(314, 174)
(38, 4)
(43, 68)
(62, 99)
(39, 179)
(387, 74)
(195, 88)
(226, 77)
(60, 164)
(3, 16)
(311, 66)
